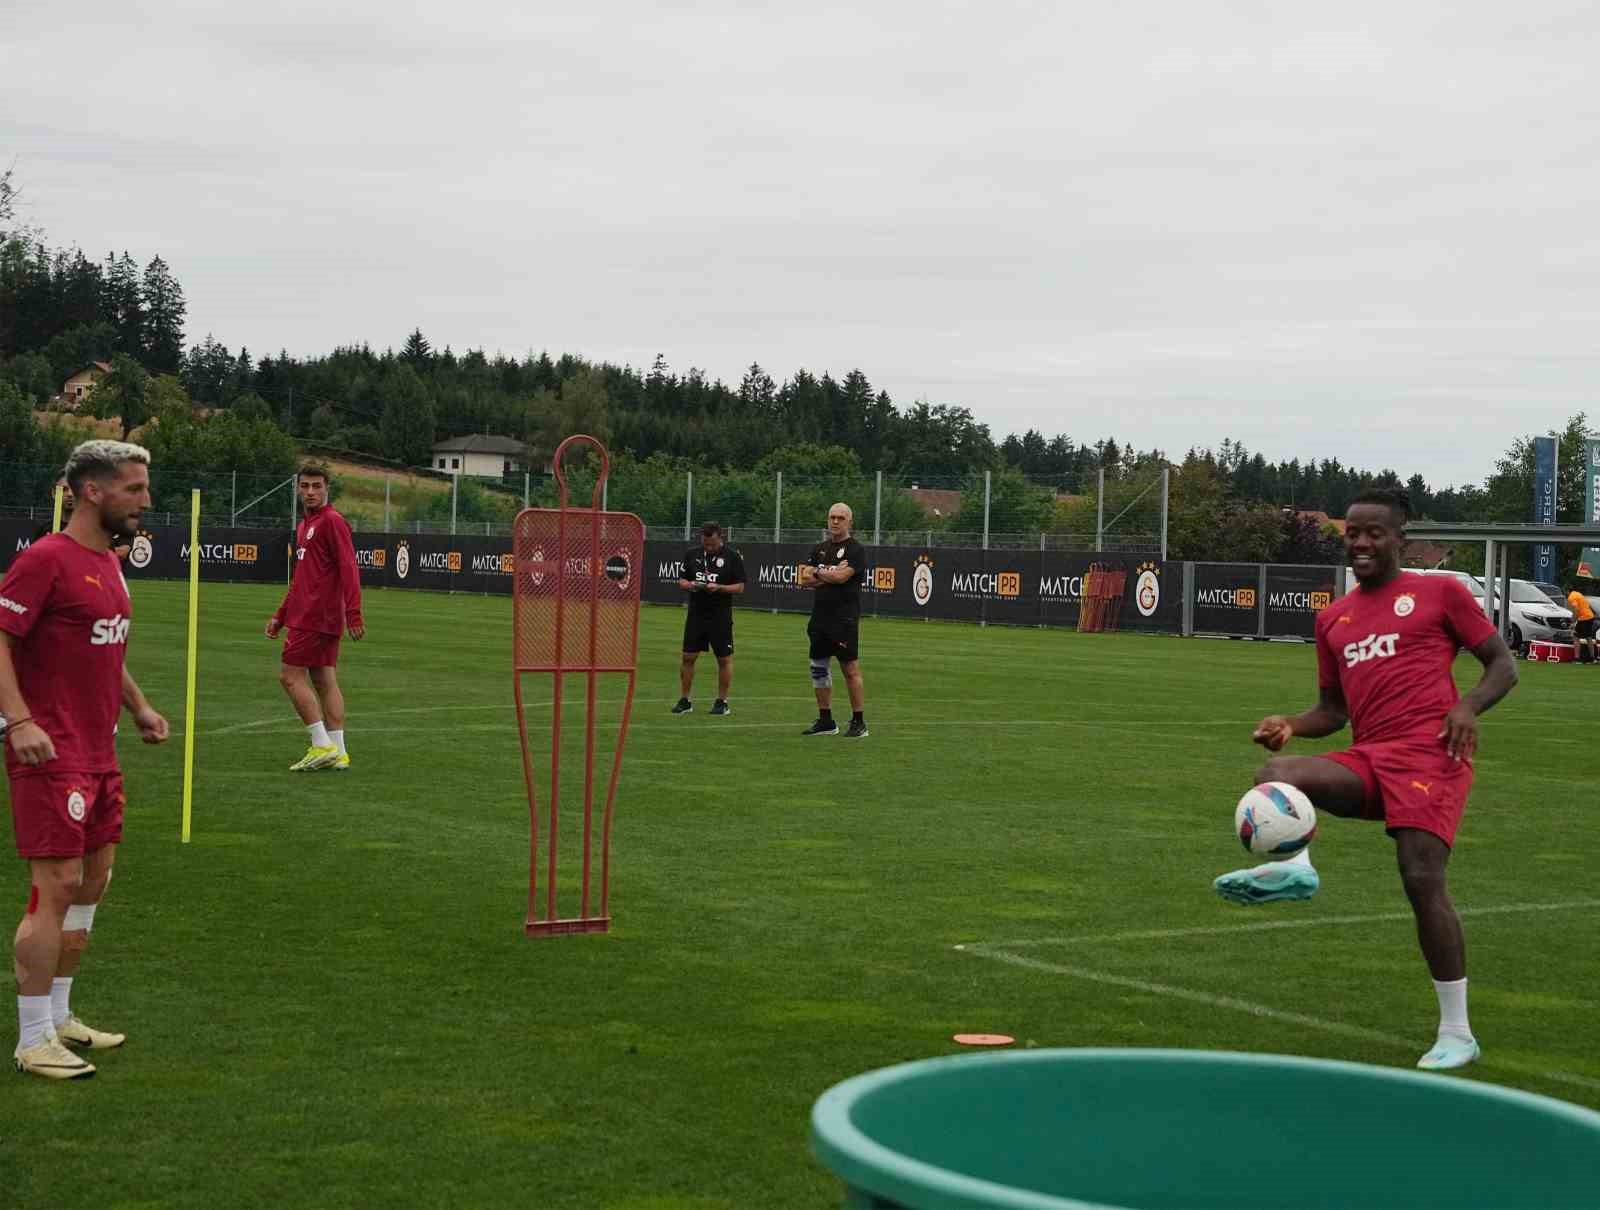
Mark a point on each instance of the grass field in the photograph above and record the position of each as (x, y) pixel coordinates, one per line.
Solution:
(330, 1001)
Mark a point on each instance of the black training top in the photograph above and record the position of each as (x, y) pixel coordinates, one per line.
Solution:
(838, 600)
(723, 567)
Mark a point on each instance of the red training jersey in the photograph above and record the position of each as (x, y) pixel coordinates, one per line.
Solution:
(67, 610)
(1390, 650)
(325, 592)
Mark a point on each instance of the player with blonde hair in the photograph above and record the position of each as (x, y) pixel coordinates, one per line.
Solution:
(65, 615)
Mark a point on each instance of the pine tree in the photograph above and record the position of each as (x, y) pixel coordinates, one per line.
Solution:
(408, 420)
(121, 305)
(418, 352)
(164, 311)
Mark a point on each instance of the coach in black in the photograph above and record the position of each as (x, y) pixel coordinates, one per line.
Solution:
(834, 570)
(713, 574)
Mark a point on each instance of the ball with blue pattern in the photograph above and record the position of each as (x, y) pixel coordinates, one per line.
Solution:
(1275, 820)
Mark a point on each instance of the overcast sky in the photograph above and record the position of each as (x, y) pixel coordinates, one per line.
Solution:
(1368, 231)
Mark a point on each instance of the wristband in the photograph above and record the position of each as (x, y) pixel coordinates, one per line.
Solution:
(17, 722)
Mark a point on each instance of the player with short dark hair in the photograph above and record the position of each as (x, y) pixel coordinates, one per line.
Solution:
(1384, 657)
(1583, 625)
(65, 614)
(713, 574)
(324, 600)
(833, 570)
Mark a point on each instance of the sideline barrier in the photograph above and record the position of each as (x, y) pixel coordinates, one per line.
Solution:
(991, 587)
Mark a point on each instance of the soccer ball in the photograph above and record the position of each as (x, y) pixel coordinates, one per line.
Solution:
(1275, 820)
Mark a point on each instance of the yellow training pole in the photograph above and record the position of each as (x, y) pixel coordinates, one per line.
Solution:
(61, 492)
(194, 642)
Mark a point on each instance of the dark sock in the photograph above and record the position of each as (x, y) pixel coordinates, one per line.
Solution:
(856, 717)
(825, 715)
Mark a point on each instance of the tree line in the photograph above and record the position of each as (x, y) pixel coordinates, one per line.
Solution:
(59, 310)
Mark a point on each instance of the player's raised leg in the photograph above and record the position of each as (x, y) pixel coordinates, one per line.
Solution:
(1331, 787)
(36, 952)
(1422, 857)
(75, 930)
(325, 681)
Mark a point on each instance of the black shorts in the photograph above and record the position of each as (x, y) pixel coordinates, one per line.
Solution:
(701, 633)
(835, 638)
(1584, 629)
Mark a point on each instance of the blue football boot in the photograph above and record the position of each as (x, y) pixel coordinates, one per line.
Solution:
(1265, 883)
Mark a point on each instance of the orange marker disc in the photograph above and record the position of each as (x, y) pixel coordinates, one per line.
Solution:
(985, 1039)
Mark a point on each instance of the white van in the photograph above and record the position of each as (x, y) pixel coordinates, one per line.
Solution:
(1534, 616)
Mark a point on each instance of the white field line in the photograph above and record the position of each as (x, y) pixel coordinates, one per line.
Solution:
(287, 720)
(1261, 926)
(797, 723)
(1251, 1008)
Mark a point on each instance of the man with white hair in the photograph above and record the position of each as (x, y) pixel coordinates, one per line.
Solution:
(833, 570)
(64, 620)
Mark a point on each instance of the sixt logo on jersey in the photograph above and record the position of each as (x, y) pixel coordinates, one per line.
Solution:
(1373, 647)
(107, 631)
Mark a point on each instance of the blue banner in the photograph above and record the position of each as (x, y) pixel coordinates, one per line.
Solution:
(1544, 505)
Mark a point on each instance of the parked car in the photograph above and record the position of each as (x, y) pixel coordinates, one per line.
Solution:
(1534, 616)
(1559, 595)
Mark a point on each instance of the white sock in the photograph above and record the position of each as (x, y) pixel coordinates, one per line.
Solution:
(338, 740)
(1303, 857)
(1452, 1008)
(33, 1020)
(60, 998)
(319, 735)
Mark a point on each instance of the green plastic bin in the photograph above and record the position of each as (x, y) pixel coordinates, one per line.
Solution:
(1195, 1130)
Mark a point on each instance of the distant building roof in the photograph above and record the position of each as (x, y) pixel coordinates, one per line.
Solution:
(481, 443)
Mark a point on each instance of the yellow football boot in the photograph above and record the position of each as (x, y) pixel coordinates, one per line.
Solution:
(315, 758)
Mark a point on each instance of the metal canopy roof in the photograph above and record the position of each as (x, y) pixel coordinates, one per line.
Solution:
(1470, 531)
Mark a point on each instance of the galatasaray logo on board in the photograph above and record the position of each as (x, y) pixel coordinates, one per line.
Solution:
(142, 551)
(402, 560)
(922, 580)
(1147, 589)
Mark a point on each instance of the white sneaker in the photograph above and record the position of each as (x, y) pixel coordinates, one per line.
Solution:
(74, 1032)
(50, 1059)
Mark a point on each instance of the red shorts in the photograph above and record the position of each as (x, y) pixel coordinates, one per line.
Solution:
(66, 814)
(1410, 784)
(310, 649)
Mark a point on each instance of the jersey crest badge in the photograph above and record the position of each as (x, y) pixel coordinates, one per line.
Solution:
(839, 554)
(1404, 604)
(77, 806)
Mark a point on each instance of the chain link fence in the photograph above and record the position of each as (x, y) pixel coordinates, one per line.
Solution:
(996, 510)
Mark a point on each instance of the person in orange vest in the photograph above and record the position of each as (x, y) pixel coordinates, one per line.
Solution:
(1583, 625)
